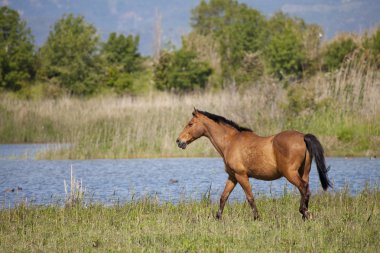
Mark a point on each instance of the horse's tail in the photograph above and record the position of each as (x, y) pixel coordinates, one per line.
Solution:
(316, 150)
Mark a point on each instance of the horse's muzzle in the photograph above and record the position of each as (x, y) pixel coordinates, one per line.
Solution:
(181, 144)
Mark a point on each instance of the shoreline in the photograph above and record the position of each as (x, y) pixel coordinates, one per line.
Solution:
(54, 154)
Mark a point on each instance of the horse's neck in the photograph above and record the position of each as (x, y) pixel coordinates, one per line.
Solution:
(220, 136)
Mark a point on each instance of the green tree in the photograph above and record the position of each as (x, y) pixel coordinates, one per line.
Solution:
(122, 59)
(181, 71)
(336, 51)
(69, 56)
(211, 17)
(240, 38)
(251, 45)
(123, 51)
(16, 51)
(237, 28)
(284, 51)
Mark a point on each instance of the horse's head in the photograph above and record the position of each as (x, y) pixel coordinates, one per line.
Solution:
(192, 131)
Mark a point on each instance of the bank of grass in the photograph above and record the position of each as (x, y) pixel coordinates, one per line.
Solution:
(341, 108)
(342, 223)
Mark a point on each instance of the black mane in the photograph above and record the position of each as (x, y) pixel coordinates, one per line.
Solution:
(220, 119)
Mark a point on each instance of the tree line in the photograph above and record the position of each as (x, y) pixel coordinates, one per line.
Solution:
(72, 60)
(229, 44)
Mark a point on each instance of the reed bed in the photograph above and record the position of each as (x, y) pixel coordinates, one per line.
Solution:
(342, 223)
(341, 108)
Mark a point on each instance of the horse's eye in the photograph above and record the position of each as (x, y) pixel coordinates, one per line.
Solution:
(190, 124)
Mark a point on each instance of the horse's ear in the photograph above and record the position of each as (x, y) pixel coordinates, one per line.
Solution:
(195, 112)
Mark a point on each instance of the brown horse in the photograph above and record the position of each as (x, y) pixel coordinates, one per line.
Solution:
(287, 154)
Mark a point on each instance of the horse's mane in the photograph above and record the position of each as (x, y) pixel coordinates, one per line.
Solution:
(220, 119)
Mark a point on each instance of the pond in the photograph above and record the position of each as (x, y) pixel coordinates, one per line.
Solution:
(175, 179)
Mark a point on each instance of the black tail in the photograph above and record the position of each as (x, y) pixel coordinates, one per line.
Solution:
(316, 150)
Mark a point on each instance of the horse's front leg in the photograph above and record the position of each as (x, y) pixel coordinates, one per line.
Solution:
(230, 185)
(244, 182)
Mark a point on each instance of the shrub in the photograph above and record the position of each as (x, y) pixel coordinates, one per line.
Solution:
(346, 134)
(336, 52)
(372, 44)
(181, 71)
(300, 101)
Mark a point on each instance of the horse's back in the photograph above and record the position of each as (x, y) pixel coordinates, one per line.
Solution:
(289, 141)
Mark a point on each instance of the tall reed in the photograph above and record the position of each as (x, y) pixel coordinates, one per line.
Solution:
(344, 112)
(74, 194)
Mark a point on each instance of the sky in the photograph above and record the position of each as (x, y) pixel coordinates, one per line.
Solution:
(138, 17)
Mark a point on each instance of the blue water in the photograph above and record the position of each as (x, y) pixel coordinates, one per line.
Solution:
(110, 181)
(26, 151)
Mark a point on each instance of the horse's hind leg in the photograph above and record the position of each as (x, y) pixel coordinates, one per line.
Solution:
(307, 198)
(230, 185)
(304, 190)
(244, 182)
(305, 177)
(308, 193)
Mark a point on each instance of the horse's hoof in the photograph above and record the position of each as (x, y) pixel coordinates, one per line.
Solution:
(307, 216)
(218, 216)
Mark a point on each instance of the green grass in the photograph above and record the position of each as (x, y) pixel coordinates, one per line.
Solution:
(342, 223)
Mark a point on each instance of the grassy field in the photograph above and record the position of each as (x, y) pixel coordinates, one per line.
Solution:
(342, 109)
(342, 223)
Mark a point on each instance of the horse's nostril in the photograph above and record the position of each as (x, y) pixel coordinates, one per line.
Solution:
(181, 144)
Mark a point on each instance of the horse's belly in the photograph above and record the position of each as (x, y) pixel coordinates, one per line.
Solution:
(265, 173)
(262, 167)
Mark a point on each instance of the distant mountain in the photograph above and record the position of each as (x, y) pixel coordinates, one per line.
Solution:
(139, 17)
